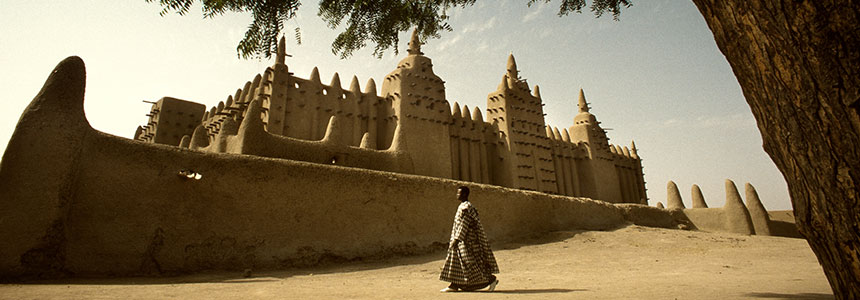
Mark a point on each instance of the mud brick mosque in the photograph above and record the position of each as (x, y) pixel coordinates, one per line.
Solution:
(409, 127)
(327, 175)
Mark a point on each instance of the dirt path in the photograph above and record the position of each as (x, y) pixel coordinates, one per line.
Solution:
(630, 263)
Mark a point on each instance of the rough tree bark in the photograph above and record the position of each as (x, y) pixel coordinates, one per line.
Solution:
(798, 63)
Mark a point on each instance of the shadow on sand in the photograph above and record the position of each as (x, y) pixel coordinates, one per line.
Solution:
(790, 296)
(535, 291)
(356, 265)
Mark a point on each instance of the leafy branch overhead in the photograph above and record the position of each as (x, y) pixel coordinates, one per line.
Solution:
(362, 21)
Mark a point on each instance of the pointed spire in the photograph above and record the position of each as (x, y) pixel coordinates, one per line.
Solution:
(698, 198)
(537, 91)
(549, 132)
(503, 86)
(447, 111)
(626, 151)
(281, 57)
(583, 106)
(63, 92)
(237, 98)
(367, 141)
(758, 214)
(354, 87)
(220, 106)
(634, 153)
(737, 217)
(456, 113)
(200, 138)
(565, 135)
(465, 112)
(252, 124)
(673, 196)
(229, 102)
(415, 44)
(660, 205)
(370, 87)
(476, 115)
(333, 130)
(246, 92)
(397, 143)
(138, 132)
(255, 86)
(512, 67)
(335, 81)
(315, 75)
(556, 134)
(185, 141)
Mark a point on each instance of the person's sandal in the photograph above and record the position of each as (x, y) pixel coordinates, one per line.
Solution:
(447, 290)
(492, 286)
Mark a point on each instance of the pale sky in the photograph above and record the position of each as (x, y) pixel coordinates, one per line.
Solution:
(655, 77)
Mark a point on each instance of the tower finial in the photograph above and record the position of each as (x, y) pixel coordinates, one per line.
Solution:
(583, 106)
(512, 66)
(415, 44)
(281, 53)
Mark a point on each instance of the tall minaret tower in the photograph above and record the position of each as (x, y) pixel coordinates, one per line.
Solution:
(519, 114)
(418, 98)
(605, 184)
(587, 129)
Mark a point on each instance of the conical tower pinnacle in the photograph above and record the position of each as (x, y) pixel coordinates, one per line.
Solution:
(415, 44)
(512, 67)
(281, 55)
(583, 106)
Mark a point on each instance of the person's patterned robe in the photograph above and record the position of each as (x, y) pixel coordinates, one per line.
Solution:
(471, 261)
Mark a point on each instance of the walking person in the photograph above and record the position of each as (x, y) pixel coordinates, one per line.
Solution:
(470, 264)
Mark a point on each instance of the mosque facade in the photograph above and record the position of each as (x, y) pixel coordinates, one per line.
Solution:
(408, 127)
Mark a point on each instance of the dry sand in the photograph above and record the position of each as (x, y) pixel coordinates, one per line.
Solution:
(629, 263)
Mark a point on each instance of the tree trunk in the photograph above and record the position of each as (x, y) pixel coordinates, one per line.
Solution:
(798, 63)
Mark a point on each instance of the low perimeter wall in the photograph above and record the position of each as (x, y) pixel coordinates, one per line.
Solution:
(80, 202)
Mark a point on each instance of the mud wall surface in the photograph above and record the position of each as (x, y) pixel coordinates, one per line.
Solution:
(130, 212)
(247, 211)
(707, 219)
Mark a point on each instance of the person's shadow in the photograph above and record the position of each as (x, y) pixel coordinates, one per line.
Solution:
(535, 291)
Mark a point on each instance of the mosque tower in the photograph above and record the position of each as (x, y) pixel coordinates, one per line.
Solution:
(418, 98)
(520, 118)
(587, 129)
(604, 182)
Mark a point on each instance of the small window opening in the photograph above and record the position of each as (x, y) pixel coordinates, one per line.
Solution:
(190, 174)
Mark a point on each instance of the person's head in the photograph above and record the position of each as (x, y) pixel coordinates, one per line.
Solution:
(463, 193)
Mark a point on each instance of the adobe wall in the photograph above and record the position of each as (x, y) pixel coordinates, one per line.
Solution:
(734, 216)
(81, 202)
(130, 213)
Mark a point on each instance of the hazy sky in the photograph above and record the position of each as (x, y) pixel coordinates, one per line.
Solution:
(655, 77)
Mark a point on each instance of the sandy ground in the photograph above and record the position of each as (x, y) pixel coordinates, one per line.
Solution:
(629, 263)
